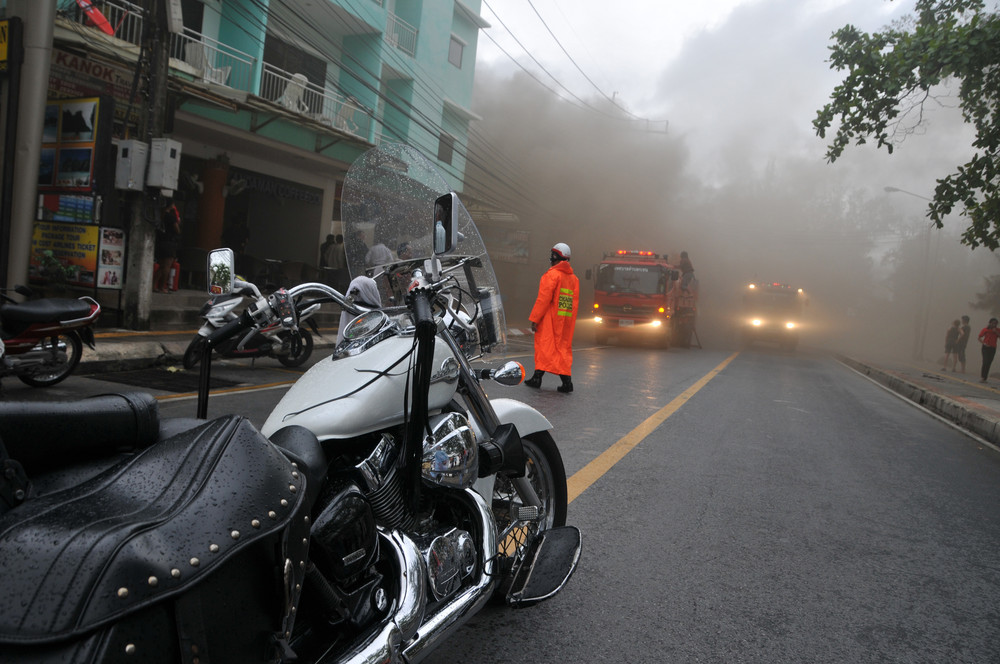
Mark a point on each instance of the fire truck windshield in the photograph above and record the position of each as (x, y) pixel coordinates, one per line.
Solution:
(635, 279)
(774, 302)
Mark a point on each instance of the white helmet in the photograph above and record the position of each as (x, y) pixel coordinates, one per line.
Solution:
(561, 251)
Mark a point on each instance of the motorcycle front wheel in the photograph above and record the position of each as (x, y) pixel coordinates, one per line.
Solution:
(543, 467)
(300, 350)
(63, 350)
(194, 352)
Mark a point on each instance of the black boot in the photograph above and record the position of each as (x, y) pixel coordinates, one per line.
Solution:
(536, 380)
(567, 384)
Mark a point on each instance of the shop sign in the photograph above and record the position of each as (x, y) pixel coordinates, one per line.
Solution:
(70, 249)
(111, 259)
(4, 43)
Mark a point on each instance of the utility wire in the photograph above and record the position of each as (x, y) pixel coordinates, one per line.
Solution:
(578, 68)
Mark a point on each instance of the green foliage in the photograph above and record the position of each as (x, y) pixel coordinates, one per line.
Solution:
(892, 74)
(989, 299)
(221, 277)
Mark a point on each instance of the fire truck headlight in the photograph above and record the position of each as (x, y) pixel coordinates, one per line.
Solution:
(756, 322)
(598, 319)
(790, 325)
(657, 323)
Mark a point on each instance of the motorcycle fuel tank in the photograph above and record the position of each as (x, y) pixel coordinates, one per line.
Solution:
(343, 397)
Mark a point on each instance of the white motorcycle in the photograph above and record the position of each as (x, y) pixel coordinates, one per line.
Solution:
(434, 498)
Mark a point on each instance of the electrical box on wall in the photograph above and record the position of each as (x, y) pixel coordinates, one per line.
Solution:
(164, 164)
(130, 169)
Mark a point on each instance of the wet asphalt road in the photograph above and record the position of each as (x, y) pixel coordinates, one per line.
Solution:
(783, 509)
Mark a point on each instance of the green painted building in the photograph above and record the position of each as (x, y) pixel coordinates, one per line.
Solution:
(271, 100)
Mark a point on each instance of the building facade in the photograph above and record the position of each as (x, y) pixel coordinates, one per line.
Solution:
(267, 104)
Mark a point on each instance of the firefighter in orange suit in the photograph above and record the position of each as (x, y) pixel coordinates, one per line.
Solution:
(552, 320)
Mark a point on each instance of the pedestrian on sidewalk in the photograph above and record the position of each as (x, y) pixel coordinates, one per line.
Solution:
(951, 343)
(964, 333)
(168, 239)
(553, 318)
(988, 338)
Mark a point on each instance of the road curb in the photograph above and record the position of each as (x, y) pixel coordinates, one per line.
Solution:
(966, 414)
(126, 355)
(131, 355)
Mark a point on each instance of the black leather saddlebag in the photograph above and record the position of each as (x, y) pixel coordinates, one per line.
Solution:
(187, 551)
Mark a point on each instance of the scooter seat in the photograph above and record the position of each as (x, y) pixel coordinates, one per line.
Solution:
(45, 435)
(43, 311)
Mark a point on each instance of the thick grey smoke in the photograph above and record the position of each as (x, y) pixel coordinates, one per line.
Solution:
(740, 182)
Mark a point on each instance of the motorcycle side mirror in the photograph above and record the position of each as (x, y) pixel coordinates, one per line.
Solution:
(511, 373)
(446, 223)
(221, 265)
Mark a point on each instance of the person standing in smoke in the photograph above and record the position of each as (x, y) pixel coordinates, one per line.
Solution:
(988, 338)
(553, 318)
(687, 271)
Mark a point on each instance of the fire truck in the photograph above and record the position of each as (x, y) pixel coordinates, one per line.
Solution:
(638, 294)
(772, 312)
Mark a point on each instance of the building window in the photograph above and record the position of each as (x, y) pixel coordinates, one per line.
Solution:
(446, 148)
(455, 51)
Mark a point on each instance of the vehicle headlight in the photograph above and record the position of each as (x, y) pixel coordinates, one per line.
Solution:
(790, 325)
(756, 322)
(451, 453)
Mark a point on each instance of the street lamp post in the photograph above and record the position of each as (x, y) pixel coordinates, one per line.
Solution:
(923, 314)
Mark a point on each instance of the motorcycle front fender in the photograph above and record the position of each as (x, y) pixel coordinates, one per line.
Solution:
(524, 417)
(521, 415)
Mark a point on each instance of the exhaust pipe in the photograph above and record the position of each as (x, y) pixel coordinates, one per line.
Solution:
(406, 637)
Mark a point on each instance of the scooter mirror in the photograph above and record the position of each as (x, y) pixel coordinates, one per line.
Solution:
(221, 264)
(446, 223)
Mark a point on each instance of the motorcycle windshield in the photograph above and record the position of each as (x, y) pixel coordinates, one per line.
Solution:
(388, 211)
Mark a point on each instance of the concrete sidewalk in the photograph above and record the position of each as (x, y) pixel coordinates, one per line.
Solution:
(956, 397)
(119, 350)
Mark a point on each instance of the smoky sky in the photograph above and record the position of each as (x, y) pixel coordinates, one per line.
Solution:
(740, 180)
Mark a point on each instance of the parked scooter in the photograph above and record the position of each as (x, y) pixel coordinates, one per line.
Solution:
(44, 338)
(291, 347)
(393, 500)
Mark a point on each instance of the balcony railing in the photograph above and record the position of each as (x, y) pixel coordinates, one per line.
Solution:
(295, 93)
(211, 61)
(401, 34)
(124, 17)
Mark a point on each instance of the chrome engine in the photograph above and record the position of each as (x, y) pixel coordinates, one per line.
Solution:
(450, 559)
(450, 460)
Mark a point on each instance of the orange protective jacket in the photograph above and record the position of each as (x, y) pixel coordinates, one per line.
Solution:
(554, 314)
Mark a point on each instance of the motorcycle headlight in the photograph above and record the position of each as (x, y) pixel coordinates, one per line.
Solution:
(451, 453)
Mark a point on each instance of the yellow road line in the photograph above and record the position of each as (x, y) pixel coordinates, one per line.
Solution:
(593, 471)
